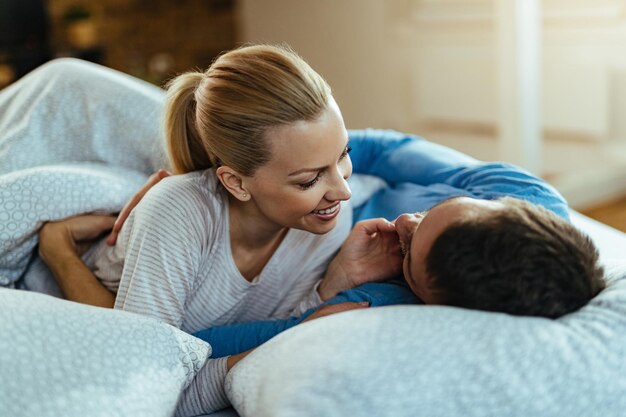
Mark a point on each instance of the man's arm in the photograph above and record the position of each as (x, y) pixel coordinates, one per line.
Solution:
(205, 394)
(237, 338)
(398, 157)
(234, 339)
(59, 248)
(421, 174)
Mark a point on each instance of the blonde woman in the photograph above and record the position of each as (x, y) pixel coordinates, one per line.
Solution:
(247, 230)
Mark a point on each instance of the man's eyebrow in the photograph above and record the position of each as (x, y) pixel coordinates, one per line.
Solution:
(300, 171)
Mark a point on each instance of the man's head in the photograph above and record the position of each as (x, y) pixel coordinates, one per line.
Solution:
(504, 255)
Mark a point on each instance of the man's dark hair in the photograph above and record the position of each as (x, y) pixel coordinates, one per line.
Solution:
(521, 260)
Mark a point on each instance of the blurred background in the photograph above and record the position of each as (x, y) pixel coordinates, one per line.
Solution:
(541, 84)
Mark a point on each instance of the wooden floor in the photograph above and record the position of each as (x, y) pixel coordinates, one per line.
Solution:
(613, 214)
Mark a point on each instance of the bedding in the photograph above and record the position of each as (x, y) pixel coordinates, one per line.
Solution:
(60, 358)
(88, 149)
(35, 195)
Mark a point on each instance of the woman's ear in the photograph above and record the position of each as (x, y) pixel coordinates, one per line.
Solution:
(233, 182)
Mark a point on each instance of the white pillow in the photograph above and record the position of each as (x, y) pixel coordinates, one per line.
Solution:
(59, 358)
(442, 361)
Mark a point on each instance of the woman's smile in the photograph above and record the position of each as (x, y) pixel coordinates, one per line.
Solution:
(328, 213)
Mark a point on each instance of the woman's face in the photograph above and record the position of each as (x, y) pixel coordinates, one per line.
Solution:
(305, 181)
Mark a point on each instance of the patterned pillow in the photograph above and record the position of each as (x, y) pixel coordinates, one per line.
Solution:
(32, 196)
(442, 361)
(59, 358)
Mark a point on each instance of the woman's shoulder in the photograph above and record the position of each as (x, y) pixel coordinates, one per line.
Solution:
(197, 185)
(194, 197)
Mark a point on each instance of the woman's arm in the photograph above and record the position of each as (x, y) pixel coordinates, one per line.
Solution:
(166, 242)
(162, 252)
(60, 245)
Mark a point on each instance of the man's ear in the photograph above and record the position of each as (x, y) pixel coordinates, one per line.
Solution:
(233, 182)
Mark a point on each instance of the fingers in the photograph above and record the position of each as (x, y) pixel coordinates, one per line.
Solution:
(378, 225)
(327, 310)
(89, 226)
(347, 306)
(106, 222)
(330, 309)
(121, 218)
(162, 173)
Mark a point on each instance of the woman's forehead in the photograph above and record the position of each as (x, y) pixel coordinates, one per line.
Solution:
(308, 145)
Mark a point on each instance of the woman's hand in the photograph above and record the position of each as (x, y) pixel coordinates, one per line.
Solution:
(371, 253)
(121, 218)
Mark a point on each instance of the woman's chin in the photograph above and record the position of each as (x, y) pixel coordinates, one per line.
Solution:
(313, 224)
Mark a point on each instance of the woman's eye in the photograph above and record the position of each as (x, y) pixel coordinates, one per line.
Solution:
(345, 152)
(307, 185)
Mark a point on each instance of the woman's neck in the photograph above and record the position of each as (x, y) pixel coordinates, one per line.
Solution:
(251, 229)
(253, 238)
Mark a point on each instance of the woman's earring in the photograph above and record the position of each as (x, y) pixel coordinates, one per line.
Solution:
(245, 195)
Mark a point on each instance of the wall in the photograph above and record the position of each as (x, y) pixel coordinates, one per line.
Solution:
(151, 39)
(428, 66)
(345, 46)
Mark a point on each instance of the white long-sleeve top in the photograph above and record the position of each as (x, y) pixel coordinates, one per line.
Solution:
(173, 261)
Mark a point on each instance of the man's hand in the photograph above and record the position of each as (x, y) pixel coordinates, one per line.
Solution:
(323, 311)
(330, 309)
(371, 253)
(73, 235)
(61, 245)
(121, 218)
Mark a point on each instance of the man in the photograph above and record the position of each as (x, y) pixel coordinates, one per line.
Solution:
(504, 255)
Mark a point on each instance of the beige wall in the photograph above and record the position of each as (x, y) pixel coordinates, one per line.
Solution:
(429, 66)
(343, 41)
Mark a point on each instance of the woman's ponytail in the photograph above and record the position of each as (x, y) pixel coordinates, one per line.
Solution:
(222, 116)
(184, 144)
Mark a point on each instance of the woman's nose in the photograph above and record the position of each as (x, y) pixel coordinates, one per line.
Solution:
(339, 189)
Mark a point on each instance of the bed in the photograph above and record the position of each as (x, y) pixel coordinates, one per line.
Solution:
(63, 358)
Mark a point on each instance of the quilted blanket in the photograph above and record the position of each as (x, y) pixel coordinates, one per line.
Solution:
(74, 138)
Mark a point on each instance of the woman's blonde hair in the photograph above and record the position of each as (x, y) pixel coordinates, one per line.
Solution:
(222, 115)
